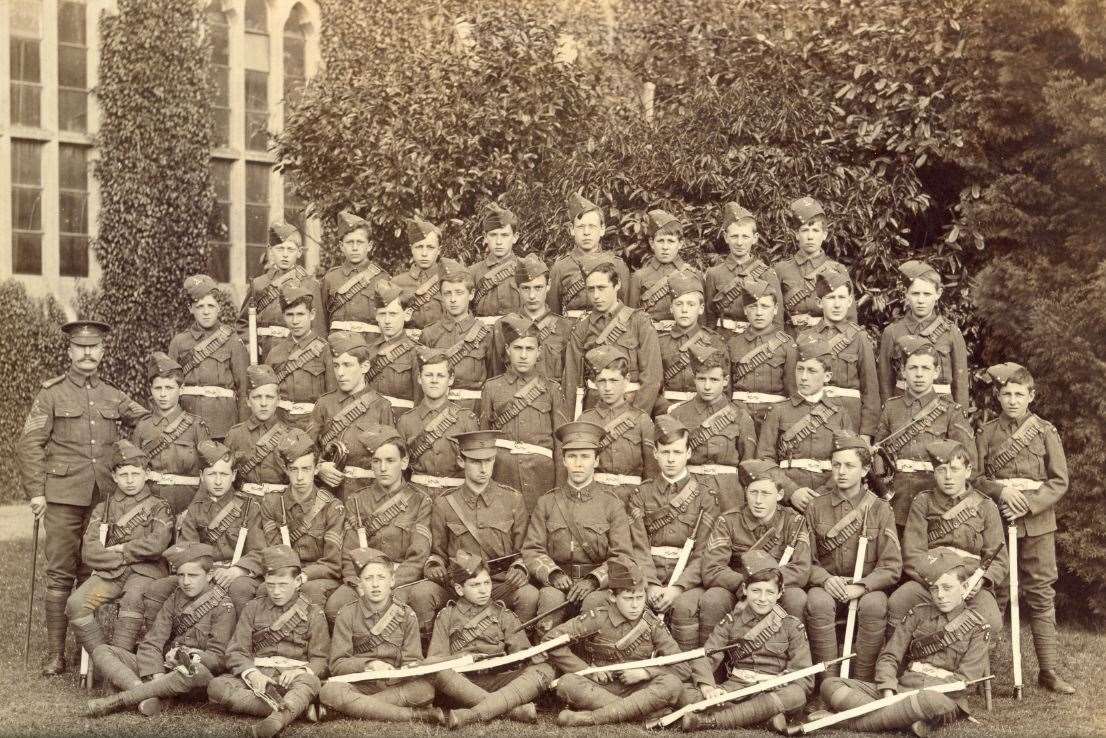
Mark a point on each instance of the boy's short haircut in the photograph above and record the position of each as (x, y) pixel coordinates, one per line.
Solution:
(462, 276)
(926, 350)
(766, 575)
(1022, 376)
(865, 455)
(620, 365)
(175, 374)
(292, 571)
(608, 268)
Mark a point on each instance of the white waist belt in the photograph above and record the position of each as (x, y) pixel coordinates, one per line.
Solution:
(576, 314)
(663, 325)
(1020, 483)
(355, 326)
(436, 482)
(941, 389)
(296, 408)
(356, 472)
(678, 396)
(712, 470)
(630, 386)
(832, 391)
(737, 326)
(810, 465)
(617, 480)
(203, 390)
(489, 319)
(278, 662)
(910, 465)
(398, 401)
(464, 394)
(273, 331)
(805, 319)
(170, 479)
(666, 552)
(518, 447)
(753, 398)
(262, 488)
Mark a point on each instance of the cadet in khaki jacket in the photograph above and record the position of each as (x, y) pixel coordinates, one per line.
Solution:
(183, 649)
(484, 517)
(650, 284)
(936, 642)
(394, 369)
(772, 642)
(377, 633)
(842, 512)
(64, 455)
(123, 543)
(761, 524)
(474, 623)
(727, 298)
(622, 630)
(532, 282)
(277, 654)
(467, 342)
(1024, 470)
(524, 407)
(256, 440)
(169, 435)
(762, 356)
(671, 510)
(495, 293)
(683, 340)
(575, 530)
(347, 289)
(568, 294)
(302, 360)
(423, 278)
(911, 421)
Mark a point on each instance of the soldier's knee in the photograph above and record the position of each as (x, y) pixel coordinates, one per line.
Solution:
(686, 606)
(716, 602)
(332, 694)
(570, 685)
(793, 601)
(873, 606)
(819, 604)
(77, 606)
(669, 684)
(792, 696)
(598, 598)
(310, 680)
(526, 597)
(830, 685)
(220, 688)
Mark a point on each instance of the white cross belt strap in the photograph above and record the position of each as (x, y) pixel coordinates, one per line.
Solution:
(171, 479)
(630, 386)
(910, 465)
(278, 662)
(663, 325)
(354, 326)
(941, 389)
(810, 465)
(518, 447)
(752, 398)
(576, 314)
(617, 480)
(398, 401)
(666, 552)
(677, 396)
(296, 408)
(260, 489)
(413, 333)
(202, 390)
(273, 331)
(833, 391)
(1018, 483)
(436, 482)
(489, 319)
(805, 320)
(356, 472)
(464, 394)
(737, 326)
(711, 470)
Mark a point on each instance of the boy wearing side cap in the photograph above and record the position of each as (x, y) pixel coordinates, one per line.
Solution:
(495, 293)
(851, 356)
(429, 428)
(466, 340)
(937, 642)
(307, 518)
(213, 360)
(219, 517)
(475, 623)
(722, 432)
(682, 340)
(347, 289)
(666, 511)
(525, 407)
(169, 435)
(773, 641)
(256, 439)
(798, 433)
(393, 371)
(912, 420)
(282, 268)
(844, 511)
(761, 524)
(797, 274)
(621, 630)
(278, 652)
(184, 647)
(626, 452)
(393, 515)
(341, 416)
(650, 284)
(123, 543)
(376, 632)
(532, 284)
(483, 516)
(575, 530)
(302, 361)
(567, 288)
(920, 320)
(1024, 470)
(422, 279)
(952, 514)
(726, 300)
(763, 356)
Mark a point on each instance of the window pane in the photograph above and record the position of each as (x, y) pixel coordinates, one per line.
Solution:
(71, 26)
(257, 52)
(72, 66)
(257, 91)
(256, 16)
(257, 131)
(257, 224)
(72, 167)
(219, 226)
(73, 110)
(257, 215)
(26, 107)
(26, 18)
(222, 126)
(26, 163)
(27, 257)
(25, 65)
(218, 262)
(27, 208)
(294, 62)
(73, 256)
(73, 211)
(257, 183)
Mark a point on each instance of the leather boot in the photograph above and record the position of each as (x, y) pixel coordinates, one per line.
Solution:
(1052, 681)
(56, 624)
(574, 718)
(527, 713)
(125, 635)
(459, 688)
(89, 633)
(432, 715)
(753, 711)
(582, 692)
(919, 707)
(514, 696)
(636, 706)
(270, 726)
(697, 721)
(104, 705)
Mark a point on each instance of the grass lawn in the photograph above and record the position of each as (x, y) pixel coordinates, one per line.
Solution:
(33, 705)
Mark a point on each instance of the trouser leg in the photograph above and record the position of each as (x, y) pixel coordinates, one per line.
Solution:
(316, 591)
(821, 610)
(524, 688)
(426, 598)
(459, 688)
(684, 619)
(131, 606)
(154, 596)
(582, 693)
(1037, 576)
(793, 601)
(524, 602)
(118, 665)
(242, 590)
(659, 692)
(753, 711)
(548, 598)
(871, 622)
(82, 605)
(233, 694)
(714, 604)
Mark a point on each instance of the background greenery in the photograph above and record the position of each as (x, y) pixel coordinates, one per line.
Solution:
(965, 132)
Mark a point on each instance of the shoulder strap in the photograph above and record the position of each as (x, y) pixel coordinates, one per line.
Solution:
(462, 515)
(574, 527)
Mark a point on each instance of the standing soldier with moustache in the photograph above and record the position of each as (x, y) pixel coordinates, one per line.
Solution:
(64, 453)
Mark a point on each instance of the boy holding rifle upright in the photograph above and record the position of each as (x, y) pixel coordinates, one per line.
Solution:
(1024, 470)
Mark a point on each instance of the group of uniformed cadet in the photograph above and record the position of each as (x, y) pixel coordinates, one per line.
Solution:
(595, 470)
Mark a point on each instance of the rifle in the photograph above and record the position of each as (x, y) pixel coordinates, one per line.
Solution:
(240, 544)
(431, 667)
(31, 598)
(685, 552)
(858, 573)
(251, 313)
(789, 551)
(489, 562)
(497, 661)
(285, 536)
(542, 615)
(1015, 611)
